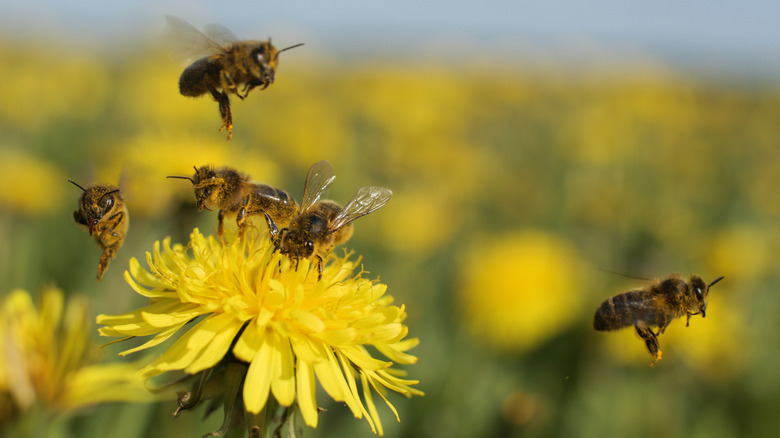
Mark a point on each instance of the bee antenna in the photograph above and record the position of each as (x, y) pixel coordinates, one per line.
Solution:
(181, 177)
(291, 47)
(109, 193)
(715, 281)
(75, 184)
(623, 275)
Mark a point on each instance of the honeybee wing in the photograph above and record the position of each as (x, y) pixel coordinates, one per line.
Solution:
(366, 200)
(629, 308)
(189, 43)
(320, 176)
(220, 34)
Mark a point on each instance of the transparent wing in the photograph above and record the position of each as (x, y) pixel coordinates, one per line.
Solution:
(187, 42)
(320, 176)
(633, 307)
(220, 34)
(366, 200)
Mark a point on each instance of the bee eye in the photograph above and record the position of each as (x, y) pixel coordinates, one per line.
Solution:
(107, 203)
(259, 54)
(698, 292)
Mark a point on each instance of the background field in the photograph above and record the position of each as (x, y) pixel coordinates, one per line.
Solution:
(517, 185)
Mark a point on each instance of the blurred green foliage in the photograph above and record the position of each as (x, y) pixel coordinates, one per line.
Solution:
(642, 170)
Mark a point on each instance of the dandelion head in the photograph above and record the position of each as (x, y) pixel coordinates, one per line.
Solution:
(519, 289)
(241, 307)
(47, 361)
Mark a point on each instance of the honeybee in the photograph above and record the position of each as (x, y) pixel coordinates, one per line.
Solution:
(323, 224)
(226, 64)
(654, 305)
(235, 195)
(104, 213)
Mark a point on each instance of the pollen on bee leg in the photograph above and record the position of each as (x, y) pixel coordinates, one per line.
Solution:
(656, 357)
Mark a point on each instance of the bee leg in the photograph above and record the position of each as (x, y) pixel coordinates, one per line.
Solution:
(273, 230)
(662, 328)
(108, 253)
(241, 217)
(224, 111)
(319, 268)
(229, 85)
(221, 226)
(77, 216)
(247, 88)
(110, 249)
(651, 341)
(688, 320)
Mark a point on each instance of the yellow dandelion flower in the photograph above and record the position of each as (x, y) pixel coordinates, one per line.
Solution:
(45, 358)
(525, 292)
(243, 306)
(40, 176)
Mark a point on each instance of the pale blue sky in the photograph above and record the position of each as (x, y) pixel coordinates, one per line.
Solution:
(740, 34)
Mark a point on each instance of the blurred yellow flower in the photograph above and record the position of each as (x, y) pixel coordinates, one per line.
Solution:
(283, 325)
(29, 98)
(46, 354)
(150, 96)
(520, 289)
(40, 177)
(416, 224)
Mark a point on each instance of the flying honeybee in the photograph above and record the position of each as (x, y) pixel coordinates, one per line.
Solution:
(234, 194)
(225, 64)
(323, 224)
(104, 213)
(654, 305)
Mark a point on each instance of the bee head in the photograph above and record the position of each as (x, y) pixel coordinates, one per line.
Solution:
(297, 244)
(207, 183)
(699, 291)
(96, 201)
(267, 58)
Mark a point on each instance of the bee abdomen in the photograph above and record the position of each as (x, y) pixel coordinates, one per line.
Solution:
(617, 312)
(199, 78)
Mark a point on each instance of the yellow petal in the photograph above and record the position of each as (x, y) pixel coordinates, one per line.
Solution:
(141, 276)
(360, 357)
(371, 406)
(283, 386)
(160, 338)
(167, 313)
(386, 333)
(258, 379)
(181, 354)
(344, 336)
(248, 343)
(346, 365)
(104, 383)
(307, 349)
(307, 320)
(306, 398)
(395, 354)
(330, 377)
(215, 350)
(125, 318)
